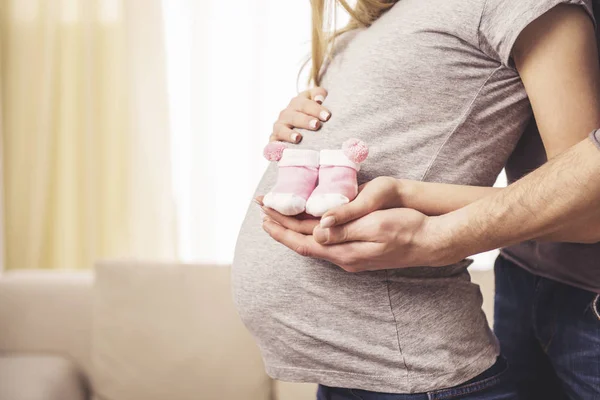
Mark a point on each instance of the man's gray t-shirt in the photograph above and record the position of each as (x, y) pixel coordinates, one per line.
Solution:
(431, 88)
(575, 264)
(572, 263)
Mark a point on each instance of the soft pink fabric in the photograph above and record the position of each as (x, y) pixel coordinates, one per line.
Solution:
(356, 150)
(300, 181)
(338, 180)
(274, 150)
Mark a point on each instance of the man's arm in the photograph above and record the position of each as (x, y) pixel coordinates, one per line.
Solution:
(557, 59)
(548, 200)
(435, 199)
(548, 203)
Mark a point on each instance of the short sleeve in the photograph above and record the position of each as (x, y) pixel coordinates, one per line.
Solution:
(595, 137)
(502, 21)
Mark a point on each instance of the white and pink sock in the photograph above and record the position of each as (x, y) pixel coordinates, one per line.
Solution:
(296, 178)
(337, 177)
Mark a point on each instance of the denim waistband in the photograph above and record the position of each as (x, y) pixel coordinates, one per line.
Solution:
(491, 377)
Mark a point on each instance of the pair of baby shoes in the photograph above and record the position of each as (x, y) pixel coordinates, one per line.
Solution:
(314, 181)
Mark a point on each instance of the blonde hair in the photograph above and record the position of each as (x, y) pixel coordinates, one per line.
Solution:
(323, 15)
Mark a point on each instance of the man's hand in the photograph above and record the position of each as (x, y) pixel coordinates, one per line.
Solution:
(381, 193)
(384, 239)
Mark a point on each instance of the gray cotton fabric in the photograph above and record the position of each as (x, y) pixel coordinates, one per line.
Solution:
(575, 264)
(431, 88)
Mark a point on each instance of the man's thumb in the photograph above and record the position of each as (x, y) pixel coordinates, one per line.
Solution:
(344, 214)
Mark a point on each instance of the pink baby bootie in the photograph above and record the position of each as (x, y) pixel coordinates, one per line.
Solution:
(296, 178)
(337, 177)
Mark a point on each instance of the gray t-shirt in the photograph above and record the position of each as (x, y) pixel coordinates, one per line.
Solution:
(572, 263)
(431, 88)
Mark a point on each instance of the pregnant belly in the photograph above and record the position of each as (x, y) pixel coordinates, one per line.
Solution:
(308, 314)
(295, 306)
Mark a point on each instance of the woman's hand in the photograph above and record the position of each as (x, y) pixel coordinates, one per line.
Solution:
(372, 232)
(385, 239)
(379, 194)
(304, 111)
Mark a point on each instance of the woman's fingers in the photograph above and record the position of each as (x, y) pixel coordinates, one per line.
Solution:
(305, 112)
(282, 133)
(298, 119)
(303, 226)
(352, 257)
(363, 229)
(288, 119)
(310, 108)
(318, 94)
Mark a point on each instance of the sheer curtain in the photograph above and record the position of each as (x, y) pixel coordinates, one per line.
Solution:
(85, 132)
(232, 66)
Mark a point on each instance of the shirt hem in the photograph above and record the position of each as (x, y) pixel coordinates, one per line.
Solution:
(386, 383)
(522, 264)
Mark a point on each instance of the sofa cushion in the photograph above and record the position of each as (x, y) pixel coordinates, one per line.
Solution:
(295, 391)
(47, 312)
(40, 378)
(171, 332)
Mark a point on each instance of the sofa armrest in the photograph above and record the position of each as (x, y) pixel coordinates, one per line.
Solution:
(47, 312)
(40, 378)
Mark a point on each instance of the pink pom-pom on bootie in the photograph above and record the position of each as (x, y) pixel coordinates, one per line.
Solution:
(356, 150)
(337, 177)
(274, 151)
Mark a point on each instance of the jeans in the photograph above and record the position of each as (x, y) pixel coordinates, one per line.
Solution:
(493, 384)
(550, 334)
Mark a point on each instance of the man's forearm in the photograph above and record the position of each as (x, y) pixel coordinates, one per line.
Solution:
(550, 200)
(435, 199)
(582, 230)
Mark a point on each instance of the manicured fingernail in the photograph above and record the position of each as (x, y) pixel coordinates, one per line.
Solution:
(324, 115)
(327, 222)
(313, 124)
(319, 98)
(295, 137)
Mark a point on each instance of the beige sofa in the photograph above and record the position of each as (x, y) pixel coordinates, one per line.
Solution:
(134, 331)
